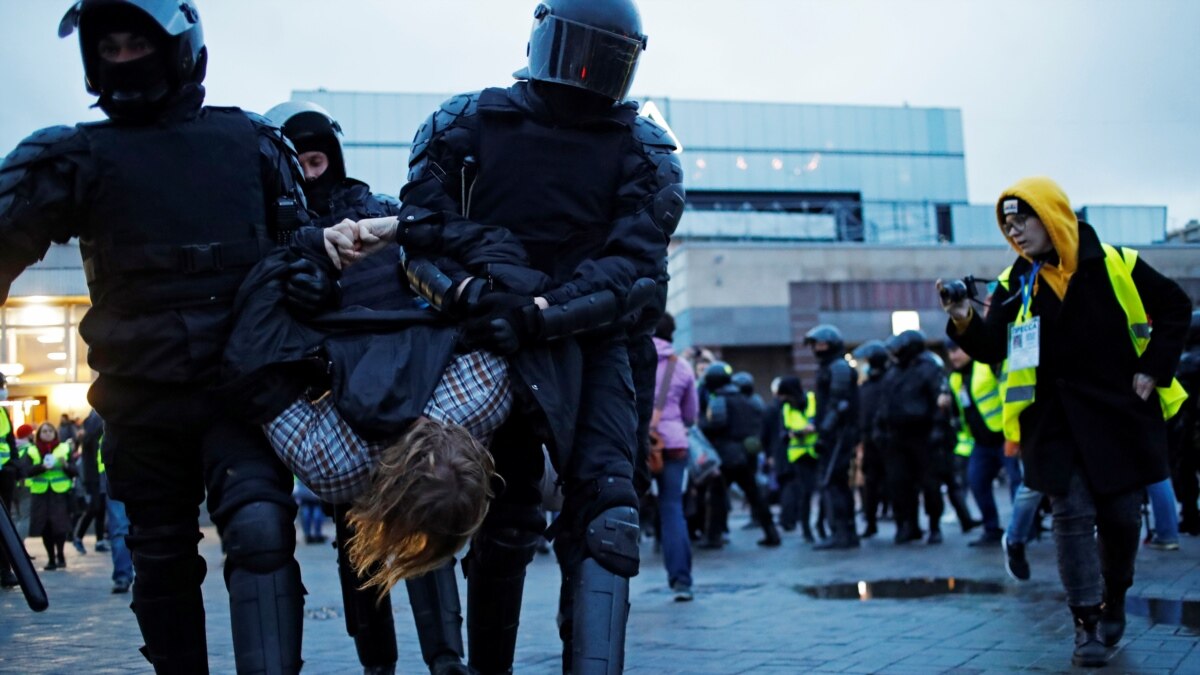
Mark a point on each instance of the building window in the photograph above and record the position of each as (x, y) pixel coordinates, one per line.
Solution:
(40, 343)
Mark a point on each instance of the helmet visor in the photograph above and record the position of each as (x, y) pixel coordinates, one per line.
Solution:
(575, 54)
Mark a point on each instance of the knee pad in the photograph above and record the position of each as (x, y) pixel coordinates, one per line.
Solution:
(612, 540)
(259, 538)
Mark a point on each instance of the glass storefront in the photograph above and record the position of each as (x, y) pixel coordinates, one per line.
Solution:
(40, 343)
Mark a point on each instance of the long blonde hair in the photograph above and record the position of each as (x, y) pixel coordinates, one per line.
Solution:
(428, 495)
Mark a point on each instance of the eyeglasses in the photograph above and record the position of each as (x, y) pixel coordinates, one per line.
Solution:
(1018, 223)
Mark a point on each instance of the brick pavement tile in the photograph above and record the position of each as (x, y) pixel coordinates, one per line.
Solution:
(940, 657)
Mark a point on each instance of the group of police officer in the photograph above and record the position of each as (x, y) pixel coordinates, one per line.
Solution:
(174, 202)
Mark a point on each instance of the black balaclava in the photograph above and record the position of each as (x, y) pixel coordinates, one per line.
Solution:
(137, 89)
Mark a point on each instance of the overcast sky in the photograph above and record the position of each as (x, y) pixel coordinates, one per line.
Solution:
(1102, 95)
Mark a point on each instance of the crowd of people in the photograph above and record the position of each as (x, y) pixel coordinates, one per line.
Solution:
(62, 471)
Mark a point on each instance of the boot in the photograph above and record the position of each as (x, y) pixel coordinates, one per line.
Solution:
(907, 532)
(1090, 651)
(771, 535)
(1112, 621)
(438, 615)
(935, 536)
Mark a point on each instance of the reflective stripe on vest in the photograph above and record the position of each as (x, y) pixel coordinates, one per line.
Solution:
(55, 479)
(794, 420)
(5, 428)
(1020, 384)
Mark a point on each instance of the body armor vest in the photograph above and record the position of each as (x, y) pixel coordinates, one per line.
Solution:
(562, 210)
(178, 215)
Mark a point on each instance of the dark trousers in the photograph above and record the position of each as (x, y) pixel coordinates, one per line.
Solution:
(907, 458)
(874, 489)
(368, 617)
(796, 500)
(162, 474)
(597, 473)
(833, 468)
(743, 475)
(1096, 538)
(95, 512)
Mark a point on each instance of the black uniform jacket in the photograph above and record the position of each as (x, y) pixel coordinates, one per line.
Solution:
(381, 367)
(1085, 411)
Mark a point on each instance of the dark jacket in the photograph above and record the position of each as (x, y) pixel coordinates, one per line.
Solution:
(728, 421)
(381, 366)
(58, 184)
(1085, 411)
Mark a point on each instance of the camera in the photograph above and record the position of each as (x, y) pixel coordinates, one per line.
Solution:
(957, 290)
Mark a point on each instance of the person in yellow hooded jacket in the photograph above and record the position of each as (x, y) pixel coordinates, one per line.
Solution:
(1072, 317)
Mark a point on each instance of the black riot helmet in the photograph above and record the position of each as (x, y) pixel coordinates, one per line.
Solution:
(310, 127)
(744, 382)
(588, 44)
(717, 375)
(180, 57)
(875, 354)
(828, 334)
(906, 345)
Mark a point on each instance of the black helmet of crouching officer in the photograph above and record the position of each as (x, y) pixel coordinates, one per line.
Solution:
(744, 381)
(906, 346)
(312, 129)
(138, 88)
(834, 345)
(717, 375)
(592, 45)
(875, 355)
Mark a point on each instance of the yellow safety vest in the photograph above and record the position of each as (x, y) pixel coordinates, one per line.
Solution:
(100, 455)
(55, 479)
(5, 428)
(794, 420)
(985, 396)
(1020, 384)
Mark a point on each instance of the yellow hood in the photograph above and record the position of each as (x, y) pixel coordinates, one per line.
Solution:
(1054, 210)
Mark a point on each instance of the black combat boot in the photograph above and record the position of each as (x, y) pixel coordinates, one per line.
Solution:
(1112, 620)
(1090, 651)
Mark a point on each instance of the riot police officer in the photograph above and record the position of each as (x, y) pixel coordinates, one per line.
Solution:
(333, 196)
(172, 202)
(837, 435)
(912, 387)
(592, 191)
(876, 356)
(733, 424)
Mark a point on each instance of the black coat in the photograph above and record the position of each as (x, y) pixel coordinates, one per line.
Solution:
(380, 366)
(1085, 411)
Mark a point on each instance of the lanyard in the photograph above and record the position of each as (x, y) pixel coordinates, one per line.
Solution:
(1027, 283)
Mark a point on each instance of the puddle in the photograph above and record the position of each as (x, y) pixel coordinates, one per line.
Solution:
(901, 589)
(1171, 612)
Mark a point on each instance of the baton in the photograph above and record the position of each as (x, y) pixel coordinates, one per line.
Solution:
(13, 548)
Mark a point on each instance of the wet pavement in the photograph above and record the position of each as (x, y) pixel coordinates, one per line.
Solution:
(755, 611)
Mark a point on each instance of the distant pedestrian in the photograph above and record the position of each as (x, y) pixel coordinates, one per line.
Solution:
(50, 472)
(675, 409)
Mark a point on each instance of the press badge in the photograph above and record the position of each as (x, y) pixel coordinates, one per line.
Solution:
(1023, 343)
